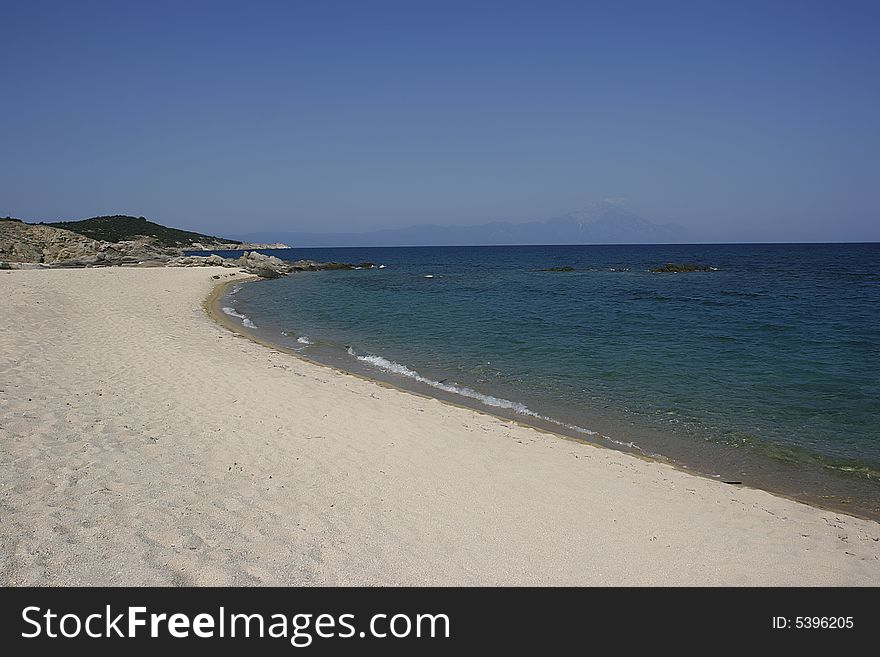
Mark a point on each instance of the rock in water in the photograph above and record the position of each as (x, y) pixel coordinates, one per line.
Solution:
(266, 271)
(680, 268)
(262, 265)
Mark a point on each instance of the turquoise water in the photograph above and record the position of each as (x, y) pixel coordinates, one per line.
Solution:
(767, 367)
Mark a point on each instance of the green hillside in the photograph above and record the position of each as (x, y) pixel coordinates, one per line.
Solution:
(118, 227)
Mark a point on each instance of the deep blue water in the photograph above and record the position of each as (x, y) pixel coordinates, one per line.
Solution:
(777, 351)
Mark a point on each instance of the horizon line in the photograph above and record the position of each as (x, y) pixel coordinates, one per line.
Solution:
(428, 246)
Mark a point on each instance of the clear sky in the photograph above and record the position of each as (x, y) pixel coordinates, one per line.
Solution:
(739, 120)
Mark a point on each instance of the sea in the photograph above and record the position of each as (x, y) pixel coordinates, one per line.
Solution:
(763, 371)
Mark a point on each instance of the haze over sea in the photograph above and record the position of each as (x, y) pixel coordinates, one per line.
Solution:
(764, 371)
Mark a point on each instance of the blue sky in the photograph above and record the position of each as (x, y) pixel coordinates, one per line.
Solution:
(741, 121)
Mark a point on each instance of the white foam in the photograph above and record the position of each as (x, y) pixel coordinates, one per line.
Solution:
(245, 320)
(304, 339)
(464, 391)
(573, 427)
(488, 400)
(231, 312)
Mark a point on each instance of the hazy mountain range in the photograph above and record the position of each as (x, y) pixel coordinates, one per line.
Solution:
(605, 223)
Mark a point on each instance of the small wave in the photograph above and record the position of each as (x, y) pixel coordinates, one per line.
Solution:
(488, 400)
(245, 320)
(235, 290)
(464, 391)
(231, 312)
(303, 339)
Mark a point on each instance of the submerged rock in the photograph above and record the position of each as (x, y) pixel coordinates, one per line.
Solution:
(335, 265)
(304, 265)
(264, 271)
(680, 268)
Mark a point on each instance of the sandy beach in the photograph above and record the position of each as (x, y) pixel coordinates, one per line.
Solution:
(143, 443)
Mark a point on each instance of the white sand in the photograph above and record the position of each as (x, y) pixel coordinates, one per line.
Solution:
(143, 443)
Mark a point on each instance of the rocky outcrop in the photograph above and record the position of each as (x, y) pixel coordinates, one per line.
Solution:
(252, 262)
(106, 254)
(22, 243)
(235, 246)
(267, 266)
(26, 246)
(200, 261)
(263, 265)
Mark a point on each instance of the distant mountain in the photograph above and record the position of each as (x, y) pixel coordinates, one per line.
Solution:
(119, 227)
(605, 223)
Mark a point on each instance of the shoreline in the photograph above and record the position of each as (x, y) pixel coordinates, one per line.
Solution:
(144, 443)
(213, 307)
